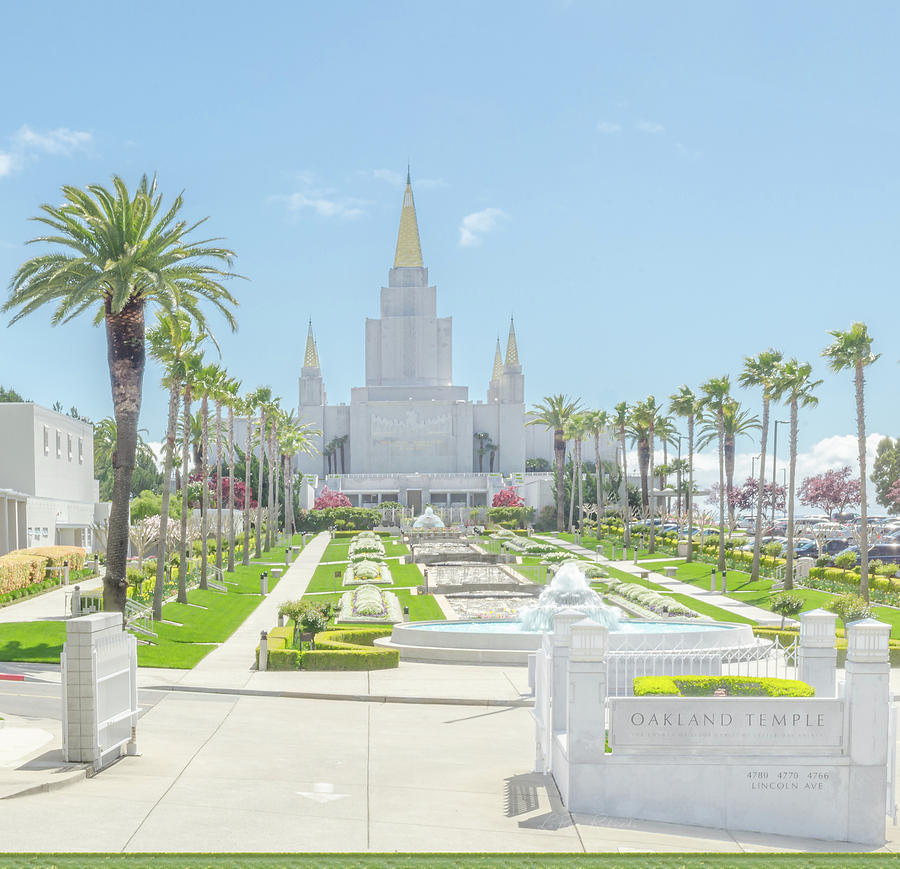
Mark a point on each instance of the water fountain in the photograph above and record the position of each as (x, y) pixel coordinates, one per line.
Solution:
(568, 590)
(429, 519)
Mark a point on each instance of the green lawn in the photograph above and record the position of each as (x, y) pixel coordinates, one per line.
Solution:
(372, 860)
(35, 642)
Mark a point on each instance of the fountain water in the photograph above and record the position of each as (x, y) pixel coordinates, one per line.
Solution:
(429, 519)
(568, 589)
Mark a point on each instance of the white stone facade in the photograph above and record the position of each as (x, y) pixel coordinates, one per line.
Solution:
(410, 433)
(48, 494)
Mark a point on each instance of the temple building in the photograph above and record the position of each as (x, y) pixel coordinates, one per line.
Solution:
(410, 434)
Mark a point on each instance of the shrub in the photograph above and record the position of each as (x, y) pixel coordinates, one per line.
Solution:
(706, 686)
(351, 650)
(823, 561)
(786, 605)
(850, 607)
(845, 560)
(518, 516)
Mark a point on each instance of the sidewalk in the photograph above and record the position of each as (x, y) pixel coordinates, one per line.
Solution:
(674, 586)
(50, 606)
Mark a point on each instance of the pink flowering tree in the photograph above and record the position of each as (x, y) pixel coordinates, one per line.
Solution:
(508, 497)
(893, 496)
(329, 499)
(742, 498)
(831, 491)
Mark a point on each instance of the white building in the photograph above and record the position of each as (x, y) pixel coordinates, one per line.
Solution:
(410, 434)
(48, 494)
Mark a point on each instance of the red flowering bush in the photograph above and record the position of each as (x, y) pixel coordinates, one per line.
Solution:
(329, 500)
(508, 497)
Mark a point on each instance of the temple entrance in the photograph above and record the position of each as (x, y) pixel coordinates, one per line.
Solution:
(414, 501)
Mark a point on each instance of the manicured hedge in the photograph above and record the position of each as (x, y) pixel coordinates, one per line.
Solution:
(705, 686)
(787, 636)
(350, 649)
(338, 535)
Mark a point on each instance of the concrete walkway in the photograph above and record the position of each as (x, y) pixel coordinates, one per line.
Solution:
(50, 606)
(675, 586)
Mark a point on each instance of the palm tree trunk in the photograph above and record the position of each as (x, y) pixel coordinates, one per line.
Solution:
(863, 506)
(185, 451)
(644, 467)
(245, 555)
(272, 518)
(580, 487)
(729, 481)
(626, 518)
(231, 481)
(601, 505)
(760, 489)
(689, 500)
(127, 357)
(789, 558)
(259, 484)
(572, 487)
(652, 439)
(721, 420)
(158, 589)
(559, 452)
(204, 491)
(219, 485)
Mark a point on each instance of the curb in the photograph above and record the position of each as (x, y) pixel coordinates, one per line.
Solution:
(356, 698)
(12, 677)
(56, 783)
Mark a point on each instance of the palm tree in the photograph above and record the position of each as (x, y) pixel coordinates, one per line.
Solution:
(121, 256)
(595, 424)
(684, 403)
(272, 413)
(249, 407)
(643, 421)
(481, 439)
(664, 429)
(172, 345)
(218, 385)
(715, 399)
(192, 369)
(209, 381)
(794, 384)
(264, 401)
(293, 437)
(761, 372)
(621, 421)
(554, 412)
(853, 349)
(231, 394)
(735, 422)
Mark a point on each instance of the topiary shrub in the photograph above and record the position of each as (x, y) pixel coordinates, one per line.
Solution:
(786, 605)
(850, 607)
(845, 561)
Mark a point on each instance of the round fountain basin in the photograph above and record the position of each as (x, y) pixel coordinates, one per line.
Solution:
(504, 642)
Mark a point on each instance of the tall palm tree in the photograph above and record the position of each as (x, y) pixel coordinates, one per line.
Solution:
(644, 418)
(715, 399)
(249, 407)
(217, 386)
(231, 393)
(736, 423)
(208, 381)
(554, 412)
(621, 422)
(293, 437)
(264, 399)
(172, 345)
(853, 350)
(121, 256)
(595, 424)
(273, 410)
(761, 372)
(192, 372)
(794, 384)
(664, 429)
(573, 433)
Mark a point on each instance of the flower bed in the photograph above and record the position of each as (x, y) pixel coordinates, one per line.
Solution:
(369, 604)
(367, 573)
(649, 599)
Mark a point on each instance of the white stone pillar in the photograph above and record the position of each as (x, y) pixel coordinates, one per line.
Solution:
(586, 726)
(562, 624)
(80, 688)
(817, 654)
(867, 695)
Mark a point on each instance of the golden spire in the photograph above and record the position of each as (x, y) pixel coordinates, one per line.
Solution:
(498, 363)
(409, 251)
(512, 349)
(311, 358)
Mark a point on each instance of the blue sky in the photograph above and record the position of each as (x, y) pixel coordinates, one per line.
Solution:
(654, 190)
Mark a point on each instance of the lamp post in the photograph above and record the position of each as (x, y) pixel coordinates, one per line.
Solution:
(778, 422)
(753, 466)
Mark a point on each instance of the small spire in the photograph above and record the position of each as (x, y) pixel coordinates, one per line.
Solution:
(512, 348)
(407, 174)
(311, 357)
(498, 363)
(409, 250)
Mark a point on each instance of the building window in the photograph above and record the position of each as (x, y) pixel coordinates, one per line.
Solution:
(69, 446)
(80, 451)
(58, 444)
(46, 441)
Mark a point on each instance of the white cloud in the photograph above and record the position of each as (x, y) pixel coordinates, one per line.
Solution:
(347, 208)
(608, 127)
(62, 140)
(398, 179)
(650, 127)
(475, 225)
(27, 145)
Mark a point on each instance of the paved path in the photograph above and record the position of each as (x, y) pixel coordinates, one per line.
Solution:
(48, 606)
(675, 586)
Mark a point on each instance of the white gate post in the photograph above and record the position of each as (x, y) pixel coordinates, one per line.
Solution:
(586, 731)
(562, 625)
(80, 688)
(817, 655)
(867, 695)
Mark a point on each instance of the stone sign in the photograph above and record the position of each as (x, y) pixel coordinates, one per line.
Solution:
(710, 723)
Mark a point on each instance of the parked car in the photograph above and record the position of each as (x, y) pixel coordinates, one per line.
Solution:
(889, 553)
